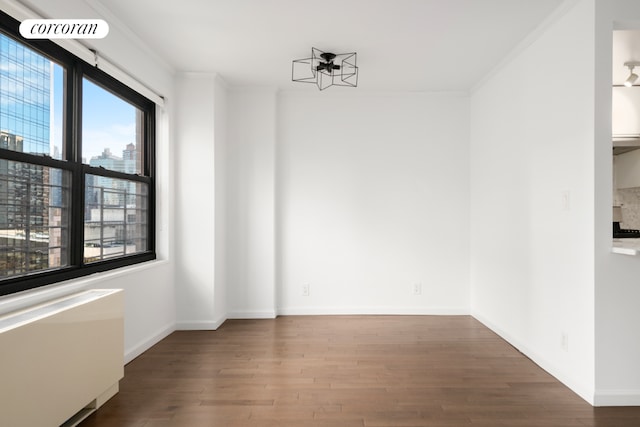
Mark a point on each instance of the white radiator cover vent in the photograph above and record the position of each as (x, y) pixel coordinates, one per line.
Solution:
(60, 357)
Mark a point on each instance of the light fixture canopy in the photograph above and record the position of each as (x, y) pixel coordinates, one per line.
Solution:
(632, 76)
(326, 69)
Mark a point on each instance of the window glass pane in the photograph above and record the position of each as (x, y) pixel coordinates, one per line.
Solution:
(34, 218)
(31, 100)
(111, 131)
(116, 215)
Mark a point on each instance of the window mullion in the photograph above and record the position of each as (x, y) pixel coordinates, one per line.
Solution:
(75, 157)
(69, 100)
(150, 171)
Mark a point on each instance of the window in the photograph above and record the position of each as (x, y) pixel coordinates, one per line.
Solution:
(34, 218)
(76, 166)
(116, 221)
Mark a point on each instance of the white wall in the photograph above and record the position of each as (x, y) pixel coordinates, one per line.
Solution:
(148, 288)
(196, 208)
(250, 203)
(532, 184)
(617, 290)
(372, 197)
(220, 192)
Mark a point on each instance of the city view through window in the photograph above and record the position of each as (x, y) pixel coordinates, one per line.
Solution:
(115, 209)
(35, 200)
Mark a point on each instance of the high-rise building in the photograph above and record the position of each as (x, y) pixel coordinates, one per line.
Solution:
(112, 213)
(126, 164)
(31, 196)
(26, 96)
(8, 142)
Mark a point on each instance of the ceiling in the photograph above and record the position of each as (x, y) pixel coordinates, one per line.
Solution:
(416, 45)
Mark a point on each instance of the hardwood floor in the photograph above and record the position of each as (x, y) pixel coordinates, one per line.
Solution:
(371, 371)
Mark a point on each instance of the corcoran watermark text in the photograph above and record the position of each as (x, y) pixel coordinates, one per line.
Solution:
(64, 28)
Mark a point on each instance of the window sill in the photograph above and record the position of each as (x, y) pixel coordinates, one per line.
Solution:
(21, 300)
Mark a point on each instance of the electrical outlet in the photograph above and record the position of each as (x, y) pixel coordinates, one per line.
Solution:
(417, 288)
(564, 341)
(305, 290)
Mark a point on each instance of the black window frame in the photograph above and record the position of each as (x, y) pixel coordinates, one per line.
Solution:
(76, 70)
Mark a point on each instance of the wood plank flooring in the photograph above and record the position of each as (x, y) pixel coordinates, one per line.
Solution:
(344, 371)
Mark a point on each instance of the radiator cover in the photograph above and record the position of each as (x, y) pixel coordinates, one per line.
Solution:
(62, 359)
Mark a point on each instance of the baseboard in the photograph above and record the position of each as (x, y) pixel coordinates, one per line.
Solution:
(617, 398)
(145, 345)
(260, 314)
(581, 390)
(380, 311)
(201, 325)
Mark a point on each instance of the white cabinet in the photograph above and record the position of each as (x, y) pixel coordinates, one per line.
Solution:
(625, 119)
(626, 168)
(625, 125)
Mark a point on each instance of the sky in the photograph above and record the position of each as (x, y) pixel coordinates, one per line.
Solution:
(107, 120)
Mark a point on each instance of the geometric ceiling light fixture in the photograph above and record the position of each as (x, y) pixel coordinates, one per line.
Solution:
(632, 76)
(326, 69)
